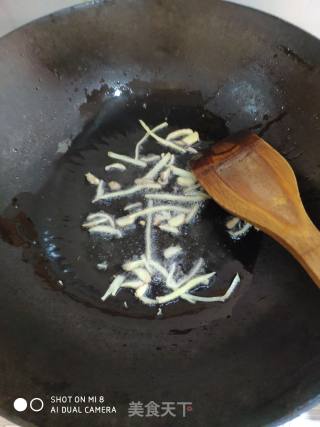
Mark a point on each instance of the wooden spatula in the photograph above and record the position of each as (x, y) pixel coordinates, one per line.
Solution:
(250, 179)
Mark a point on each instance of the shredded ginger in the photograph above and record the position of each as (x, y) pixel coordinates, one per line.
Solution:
(158, 211)
(172, 251)
(115, 166)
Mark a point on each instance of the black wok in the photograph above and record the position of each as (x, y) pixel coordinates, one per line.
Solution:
(208, 64)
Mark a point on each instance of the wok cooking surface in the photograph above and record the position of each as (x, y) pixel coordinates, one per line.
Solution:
(212, 66)
(67, 255)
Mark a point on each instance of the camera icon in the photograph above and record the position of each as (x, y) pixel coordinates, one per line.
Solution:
(36, 404)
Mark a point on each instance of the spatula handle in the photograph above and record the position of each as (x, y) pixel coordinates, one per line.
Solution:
(305, 247)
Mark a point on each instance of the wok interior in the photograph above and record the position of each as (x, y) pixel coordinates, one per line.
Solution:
(62, 204)
(262, 358)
